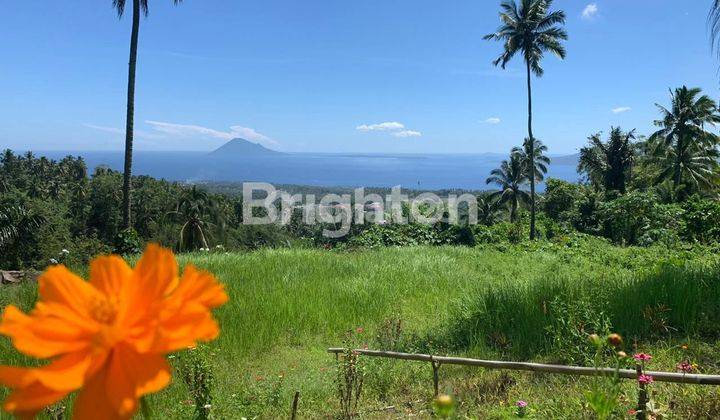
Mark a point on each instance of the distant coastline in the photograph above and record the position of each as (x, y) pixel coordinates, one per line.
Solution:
(411, 171)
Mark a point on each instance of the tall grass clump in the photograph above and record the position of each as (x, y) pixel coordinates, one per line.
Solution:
(554, 312)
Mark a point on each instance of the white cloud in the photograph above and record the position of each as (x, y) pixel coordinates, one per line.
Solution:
(395, 129)
(386, 126)
(113, 130)
(407, 133)
(493, 120)
(590, 11)
(621, 109)
(185, 130)
(165, 130)
(119, 131)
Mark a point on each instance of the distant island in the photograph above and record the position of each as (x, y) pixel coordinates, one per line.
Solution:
(242, 148)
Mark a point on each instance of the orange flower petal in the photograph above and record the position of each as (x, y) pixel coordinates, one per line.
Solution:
(127, 376)
(35, 388)
(32, 399)
(110, 275)
(60, 285)
(185, 318)
(200, 287)
(92, 401)
(185, 328)
(43, 337)
(156, 271)
(66, 373)
(15, 377)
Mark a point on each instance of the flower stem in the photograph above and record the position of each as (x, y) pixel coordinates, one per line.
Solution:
(145, 408)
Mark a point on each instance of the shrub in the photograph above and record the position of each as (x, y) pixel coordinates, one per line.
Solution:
(639, 218)
(702, 219)
(561, 199)
(251, 237)
(127, 242)
(396, 235)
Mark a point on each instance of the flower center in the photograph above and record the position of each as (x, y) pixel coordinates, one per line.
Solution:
(103, 310)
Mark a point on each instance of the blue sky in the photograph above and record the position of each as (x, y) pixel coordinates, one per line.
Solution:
(335, 76)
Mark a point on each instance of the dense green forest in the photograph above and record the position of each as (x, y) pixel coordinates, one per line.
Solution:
(636, 190)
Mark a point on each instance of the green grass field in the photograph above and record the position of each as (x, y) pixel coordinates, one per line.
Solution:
(523, 302)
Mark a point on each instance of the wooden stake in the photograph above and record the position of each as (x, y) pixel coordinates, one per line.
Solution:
(436, 376)
(642, 396)
(296, 399)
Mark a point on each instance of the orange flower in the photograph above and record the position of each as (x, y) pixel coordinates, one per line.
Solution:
(108, 337)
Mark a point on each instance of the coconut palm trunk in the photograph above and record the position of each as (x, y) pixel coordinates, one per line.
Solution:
(532, 153)
(130, 119)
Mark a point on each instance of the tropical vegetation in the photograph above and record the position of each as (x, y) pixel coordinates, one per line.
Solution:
(530, 29)
(623, 261)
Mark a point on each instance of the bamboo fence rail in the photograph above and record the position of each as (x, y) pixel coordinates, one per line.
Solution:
(684, 378)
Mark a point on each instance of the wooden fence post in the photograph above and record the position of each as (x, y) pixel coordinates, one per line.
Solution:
(296, 399)
(436, 376)
(642, 396)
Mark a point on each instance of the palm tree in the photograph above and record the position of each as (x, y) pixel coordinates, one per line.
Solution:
(608, 164)
(15, 223)
(138, 6)
(538, 159)
(510, 176)
(714, 23)
(532, 30)
(685, 151)
(194, 208)
(488, 209)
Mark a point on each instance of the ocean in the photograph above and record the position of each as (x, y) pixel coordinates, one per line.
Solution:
(413, 171)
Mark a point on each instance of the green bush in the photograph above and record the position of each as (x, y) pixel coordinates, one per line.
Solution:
(701, 219)
(561, 199)
(396, 235)
(639, 218)
(251, 237)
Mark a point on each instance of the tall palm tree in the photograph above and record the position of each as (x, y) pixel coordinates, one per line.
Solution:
(532, 30)
(138, 7)
(510, 176)
(608, 164)
(536, 164)
(686, 152)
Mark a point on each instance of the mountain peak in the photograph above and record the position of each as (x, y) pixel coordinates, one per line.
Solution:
(241, 148)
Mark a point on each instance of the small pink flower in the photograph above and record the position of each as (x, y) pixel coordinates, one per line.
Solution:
(645, 379)
(360, 330)
(642, 357)
(521, 404)
(684, 367)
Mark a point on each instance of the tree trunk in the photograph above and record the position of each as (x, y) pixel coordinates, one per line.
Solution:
(513, 208)
(532, 155)
(677, 176)
(129, 124)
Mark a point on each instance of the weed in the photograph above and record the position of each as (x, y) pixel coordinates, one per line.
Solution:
(195, 371)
